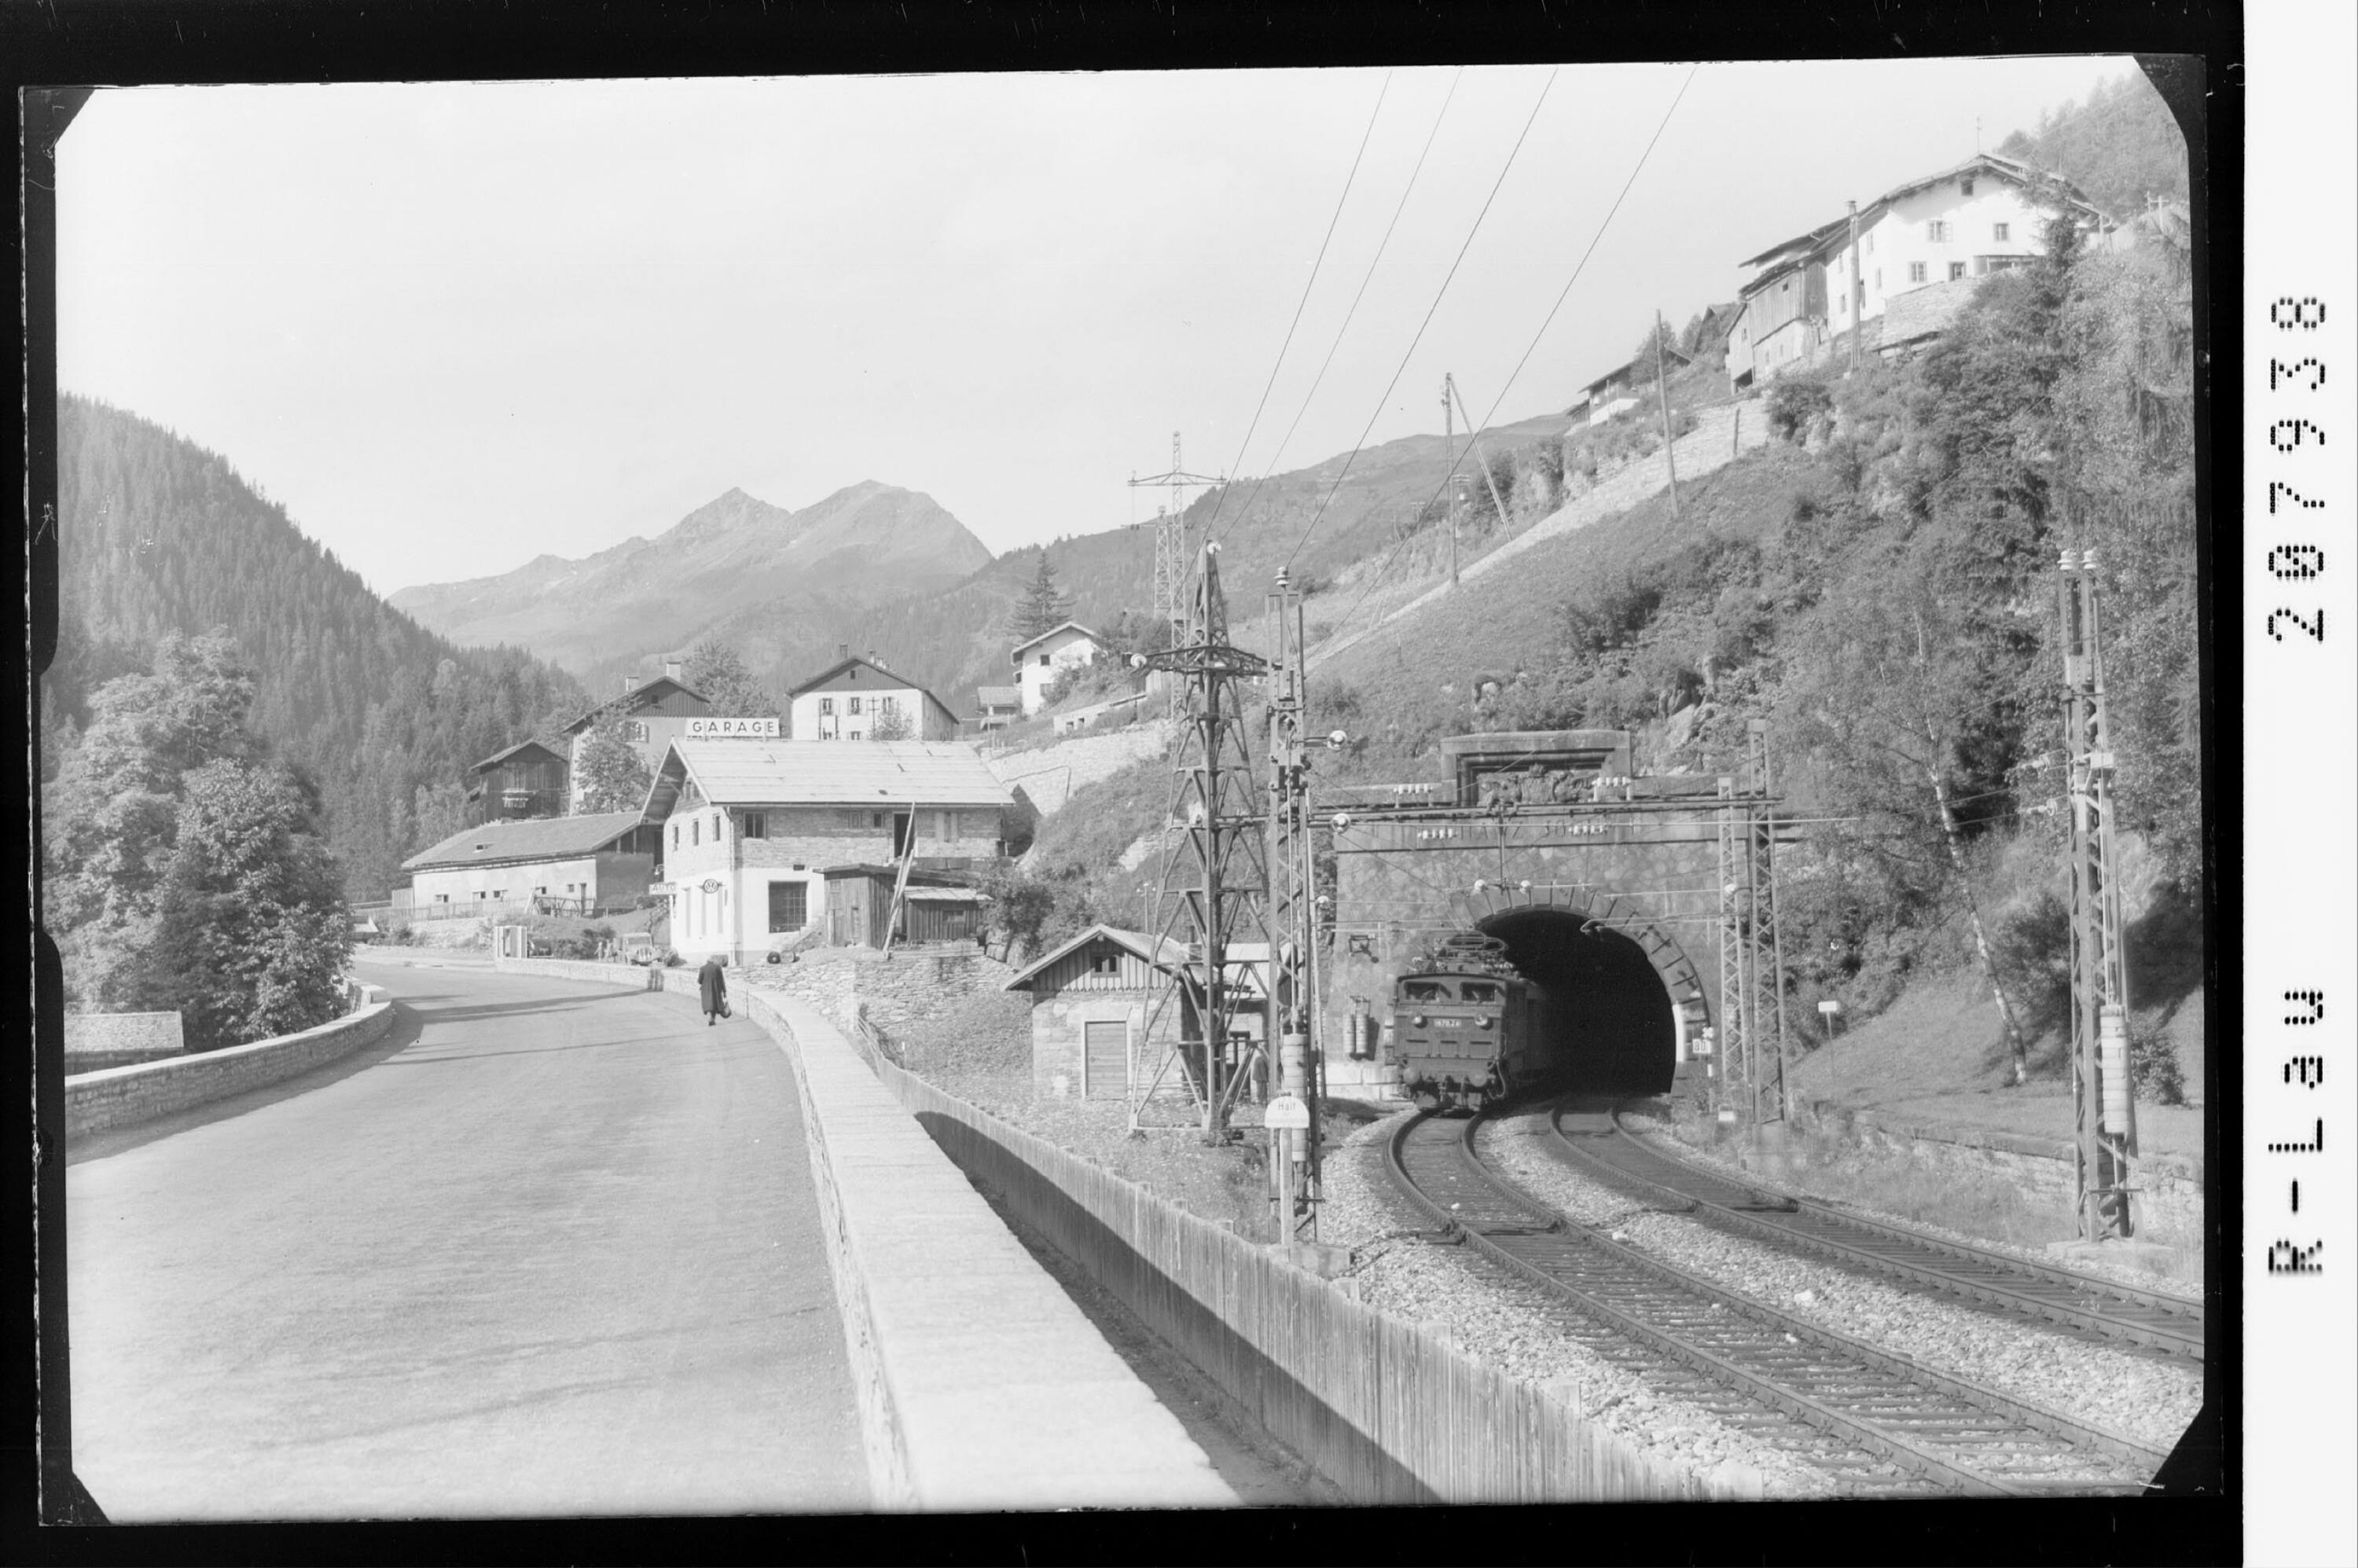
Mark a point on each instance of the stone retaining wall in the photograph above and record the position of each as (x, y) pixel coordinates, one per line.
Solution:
(97, 1041)
(2170, 1185)
(116, 1097)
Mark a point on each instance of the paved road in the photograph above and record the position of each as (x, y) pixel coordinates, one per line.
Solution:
(552, 1251)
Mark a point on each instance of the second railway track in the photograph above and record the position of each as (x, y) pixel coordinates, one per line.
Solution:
(1991, 1280)
(1875, 1420)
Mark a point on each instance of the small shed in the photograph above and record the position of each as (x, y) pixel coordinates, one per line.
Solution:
(1091, 999)
(936, 907)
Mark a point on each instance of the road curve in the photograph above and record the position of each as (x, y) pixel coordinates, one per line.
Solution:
(553, 1251)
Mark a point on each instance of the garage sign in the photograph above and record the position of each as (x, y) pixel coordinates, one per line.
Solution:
(732, 729)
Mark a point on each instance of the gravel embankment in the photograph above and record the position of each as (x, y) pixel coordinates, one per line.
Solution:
(1515, 1330)
(2141, 1396)
(1658, 1132)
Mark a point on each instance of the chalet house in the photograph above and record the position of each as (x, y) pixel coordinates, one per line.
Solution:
(584, 865)
(655, 712)
(764, 839)
(1039, 660)
(996, 706)
(1983, 216)
(1617, 390)
(1091, 1000)
(528, 779)
(848, 700)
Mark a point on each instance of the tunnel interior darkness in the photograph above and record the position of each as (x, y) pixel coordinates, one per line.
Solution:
(1604, 1009)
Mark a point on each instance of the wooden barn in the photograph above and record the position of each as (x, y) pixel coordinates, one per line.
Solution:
(1091, 999)
(528, 779)
(935, 907)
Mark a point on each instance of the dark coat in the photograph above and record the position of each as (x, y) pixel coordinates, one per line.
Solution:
(709, 982)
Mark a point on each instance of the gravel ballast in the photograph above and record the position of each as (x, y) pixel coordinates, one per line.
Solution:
(2140, 1395)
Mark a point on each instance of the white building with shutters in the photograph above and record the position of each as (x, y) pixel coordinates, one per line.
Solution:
(751, 829)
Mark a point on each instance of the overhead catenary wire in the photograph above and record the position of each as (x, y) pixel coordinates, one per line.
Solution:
(1365, 278)
(1439, 294)
(1638, 168)
(1220, 498)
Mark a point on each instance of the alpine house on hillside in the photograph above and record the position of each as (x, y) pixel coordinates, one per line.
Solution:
(765, 840)
(1947, 230)
(853, 697)
(654, 712)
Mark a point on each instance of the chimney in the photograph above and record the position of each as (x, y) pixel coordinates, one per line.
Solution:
(672, 669)
(629, 682)
(843, 650)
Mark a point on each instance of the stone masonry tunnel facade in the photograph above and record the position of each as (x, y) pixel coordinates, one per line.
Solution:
(1611, 906)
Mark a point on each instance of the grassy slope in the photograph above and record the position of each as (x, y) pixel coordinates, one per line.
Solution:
(1412, 677)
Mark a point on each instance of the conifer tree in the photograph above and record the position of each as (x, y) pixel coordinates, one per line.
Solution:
(1043, 608)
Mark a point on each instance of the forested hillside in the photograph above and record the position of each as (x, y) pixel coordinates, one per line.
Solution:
(159, 536)
(2120, 146)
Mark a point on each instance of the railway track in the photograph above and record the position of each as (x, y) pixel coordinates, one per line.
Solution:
(1994, 1281)
(1876, 1421)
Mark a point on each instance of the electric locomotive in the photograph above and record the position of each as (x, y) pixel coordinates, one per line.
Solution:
(1465, 1026)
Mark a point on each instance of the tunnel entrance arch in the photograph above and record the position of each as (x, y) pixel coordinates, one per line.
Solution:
(1620, 1000)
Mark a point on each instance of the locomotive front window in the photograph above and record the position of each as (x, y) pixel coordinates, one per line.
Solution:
(1479, 990)
(1424, 991)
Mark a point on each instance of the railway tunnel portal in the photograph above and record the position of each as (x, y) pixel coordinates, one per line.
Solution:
(1606, 889)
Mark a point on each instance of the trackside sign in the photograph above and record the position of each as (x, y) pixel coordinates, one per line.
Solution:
(732, 729)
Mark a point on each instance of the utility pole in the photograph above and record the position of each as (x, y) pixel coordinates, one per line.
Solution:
(1857, 293)
(1449, 451)
(1216, 874)
(2104, 1110)
(1449, 384)
(1291, 918)
(1663, 396)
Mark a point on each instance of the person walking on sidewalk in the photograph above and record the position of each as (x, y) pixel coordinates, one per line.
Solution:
(710, 982)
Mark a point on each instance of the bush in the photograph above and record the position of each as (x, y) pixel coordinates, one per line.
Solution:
(2153, 1073)
(1792, 404)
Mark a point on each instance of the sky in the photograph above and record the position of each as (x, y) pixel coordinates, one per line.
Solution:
(452, 327)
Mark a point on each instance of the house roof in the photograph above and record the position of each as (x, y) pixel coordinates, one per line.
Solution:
(825, 773)
(891, 677)
(1139, 945)
(1994, 164)
(1067, 627)
(535, 838)
(998, 696)
(1622, 372)
(496, 758)
(632, 700)
(1927, 311)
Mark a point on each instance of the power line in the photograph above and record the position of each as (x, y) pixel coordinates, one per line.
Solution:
(1311, 283)
(1436, 305)
(1366, 278)
(1377, 576)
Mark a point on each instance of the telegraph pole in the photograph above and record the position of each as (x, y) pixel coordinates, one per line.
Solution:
(1449, 451)
(2104, 1110)
(1857, 293)
(1663, 396)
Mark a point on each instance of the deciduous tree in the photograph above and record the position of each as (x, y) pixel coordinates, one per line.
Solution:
(608, 773)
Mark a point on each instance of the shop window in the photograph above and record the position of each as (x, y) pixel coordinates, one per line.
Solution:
(789, 905)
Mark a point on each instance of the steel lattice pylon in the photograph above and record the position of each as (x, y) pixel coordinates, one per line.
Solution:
(1172, 585)
(1215, 884)
(1293, 909)
(2104, 1110)
(1752, 1044)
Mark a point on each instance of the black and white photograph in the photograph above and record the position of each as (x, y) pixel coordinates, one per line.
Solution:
(1252, 789)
